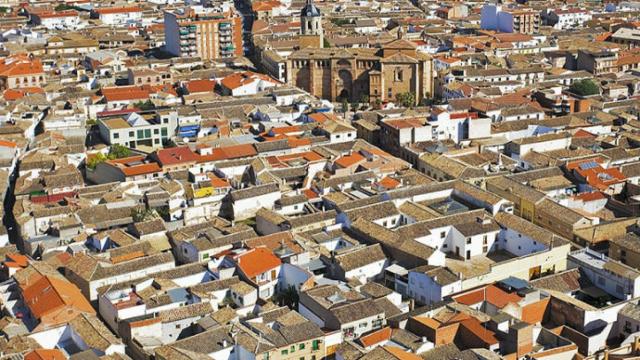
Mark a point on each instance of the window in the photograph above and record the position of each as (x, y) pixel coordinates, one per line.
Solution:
(301, 347)
(293, 348)
(398, 75)
(131, 134)
(443, 234)
(177, 326)
(116, 135)
(156, 131)
(484, 239)
(284, 352)
(140, 134)
(315, 345)
(163, 131)
(362, 325)
(147, 133)
(469, 240)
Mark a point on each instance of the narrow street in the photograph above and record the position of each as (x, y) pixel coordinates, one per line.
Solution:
(247, 23)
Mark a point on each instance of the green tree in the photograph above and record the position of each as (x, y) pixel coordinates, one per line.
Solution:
(95, 160)
(345, 105)
(140, 214)
(289, 297)
(585, 87)
(63, 7)
(144, 105)
(406, 99)
(118, 151)
(325, 43)
(378, 103)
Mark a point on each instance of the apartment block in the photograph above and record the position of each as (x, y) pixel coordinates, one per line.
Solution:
(208, 36)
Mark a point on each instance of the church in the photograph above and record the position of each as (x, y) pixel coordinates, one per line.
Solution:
(336, 74)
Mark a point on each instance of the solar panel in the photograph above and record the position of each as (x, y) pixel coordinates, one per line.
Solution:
(588, 165)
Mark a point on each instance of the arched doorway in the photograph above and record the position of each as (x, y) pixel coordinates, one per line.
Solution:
(344, 84)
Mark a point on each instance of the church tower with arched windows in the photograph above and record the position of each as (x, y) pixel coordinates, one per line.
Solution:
(311, 21)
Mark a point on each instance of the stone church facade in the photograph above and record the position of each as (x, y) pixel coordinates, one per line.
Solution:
(381, 74)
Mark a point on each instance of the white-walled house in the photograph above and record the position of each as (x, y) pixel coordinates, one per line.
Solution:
(247, 83)
(428, 284)
(118, 15)
(244, 203)
(363, 263)
(261, 268)
(614, 277)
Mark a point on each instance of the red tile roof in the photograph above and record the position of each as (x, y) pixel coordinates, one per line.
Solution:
(15, 260)
(20, 66)
(581, 133)
(491, 293)
(218, 183)
(376, 337)
(16, 94)
(135, 165)
(229, 152)
(346, 161)
(118, 10)
(45, 354)
(485, 335)
(591, 196)
(239, 79)
(310, 194)
(200, 86)
(257, 261)
(400, 354)
(48, 295)
(124, 93)
(56, 14)
(52, 198)
(176, 155)
(389, 183)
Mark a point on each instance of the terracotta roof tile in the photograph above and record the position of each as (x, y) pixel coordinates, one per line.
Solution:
(257, 261)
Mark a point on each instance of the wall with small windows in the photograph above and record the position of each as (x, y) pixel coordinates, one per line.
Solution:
(519, 244)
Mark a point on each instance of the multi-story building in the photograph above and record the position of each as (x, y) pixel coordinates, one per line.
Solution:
(136, 130)
(21, 72)
(56, 20)
(567, 18)
(597, 62)
(208, 36)
(524, 21)
(118, 15)
(348, 74)
(617, 279)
